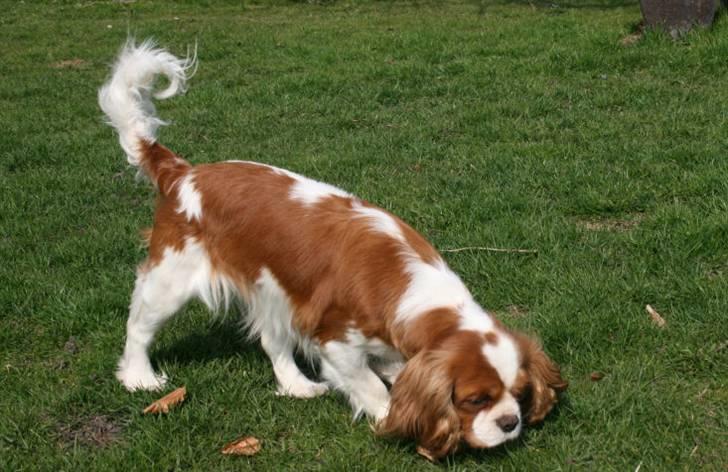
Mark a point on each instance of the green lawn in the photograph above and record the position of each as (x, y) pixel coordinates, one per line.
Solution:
(510, 124)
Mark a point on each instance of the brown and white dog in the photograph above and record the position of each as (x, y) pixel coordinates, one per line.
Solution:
(352, 286)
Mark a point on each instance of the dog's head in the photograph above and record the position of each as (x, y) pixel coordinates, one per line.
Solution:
(475, 387)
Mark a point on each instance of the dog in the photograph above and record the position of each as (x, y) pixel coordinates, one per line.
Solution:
(352, 286)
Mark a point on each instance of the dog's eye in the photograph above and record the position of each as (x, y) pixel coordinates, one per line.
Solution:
(479, 401)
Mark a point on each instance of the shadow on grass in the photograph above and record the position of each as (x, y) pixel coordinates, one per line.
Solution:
(218, 340)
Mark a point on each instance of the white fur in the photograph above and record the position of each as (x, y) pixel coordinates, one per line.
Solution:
(485, 429)
(431, 286)
(474, 318)
(270, 317)
(126, 97)
(384, 359)
(378, 220)
(190, 200)
(159, 292)
(345, 366)
(504, 358)
(374, 347)
(309, 192)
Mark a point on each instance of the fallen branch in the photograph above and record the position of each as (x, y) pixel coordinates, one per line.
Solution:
(491, 249)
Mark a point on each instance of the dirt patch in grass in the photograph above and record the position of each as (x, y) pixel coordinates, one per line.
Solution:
(617, 225)
(93, 431)
(512, 311)
(516, 311)
(636, 34)
(71, 345)
(716, 272)
(70, 64)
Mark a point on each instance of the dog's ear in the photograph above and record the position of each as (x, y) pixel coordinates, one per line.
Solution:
(421, 406)
(543, 378)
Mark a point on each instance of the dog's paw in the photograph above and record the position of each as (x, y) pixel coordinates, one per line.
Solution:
(380, 413)
(306, 389)
(141, 379)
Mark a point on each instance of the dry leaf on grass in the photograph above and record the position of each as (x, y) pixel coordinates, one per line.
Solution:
(630, 39)
(248, 446)
(166, 402)
(656, 318)
(596, 376)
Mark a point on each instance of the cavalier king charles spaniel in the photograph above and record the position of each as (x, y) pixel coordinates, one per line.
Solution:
(352, 286)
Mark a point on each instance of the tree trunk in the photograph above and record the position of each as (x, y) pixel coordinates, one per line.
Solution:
(678, 16)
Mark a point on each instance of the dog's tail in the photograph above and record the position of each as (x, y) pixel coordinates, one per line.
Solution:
(126, 99)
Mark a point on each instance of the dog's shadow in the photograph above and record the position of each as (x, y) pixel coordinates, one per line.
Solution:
(221, 339)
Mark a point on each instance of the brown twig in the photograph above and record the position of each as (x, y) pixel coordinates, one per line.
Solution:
(491, 249)
(656, 318)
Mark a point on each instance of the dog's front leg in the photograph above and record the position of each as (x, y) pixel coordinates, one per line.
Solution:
(346, 368)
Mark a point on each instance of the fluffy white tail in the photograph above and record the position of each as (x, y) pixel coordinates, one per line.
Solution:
(126, 98)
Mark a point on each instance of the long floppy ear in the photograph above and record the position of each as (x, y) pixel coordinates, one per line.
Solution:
(544, 378)
(421, 406)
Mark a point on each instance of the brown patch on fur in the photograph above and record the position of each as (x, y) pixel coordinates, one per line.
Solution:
(426, 331)
(491, 338)
(170, 230)
(162, 166)
(421, 405)
(544, 378)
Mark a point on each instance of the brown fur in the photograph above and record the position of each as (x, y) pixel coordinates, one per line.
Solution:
(543, 380)
(421, 406)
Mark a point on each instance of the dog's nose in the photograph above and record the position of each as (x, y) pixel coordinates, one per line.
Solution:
(507, 423)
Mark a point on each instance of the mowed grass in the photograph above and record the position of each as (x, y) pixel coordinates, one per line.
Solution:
(501, 124)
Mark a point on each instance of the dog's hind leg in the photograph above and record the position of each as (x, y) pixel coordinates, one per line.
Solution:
(161, 289)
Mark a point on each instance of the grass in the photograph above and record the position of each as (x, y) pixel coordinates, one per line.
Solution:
(509, 124)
